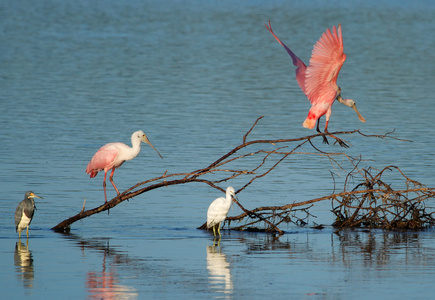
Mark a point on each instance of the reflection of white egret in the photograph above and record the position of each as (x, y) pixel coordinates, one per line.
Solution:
(218, 210)
(219, 270)
(24, 263)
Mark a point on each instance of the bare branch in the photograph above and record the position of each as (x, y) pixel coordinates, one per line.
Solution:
(221, 173)
(249, 131)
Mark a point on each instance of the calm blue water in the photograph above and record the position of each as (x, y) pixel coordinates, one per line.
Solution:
(195, 75)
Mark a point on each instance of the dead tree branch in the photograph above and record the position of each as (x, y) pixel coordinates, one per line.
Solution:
(372, 203)
(224, 174)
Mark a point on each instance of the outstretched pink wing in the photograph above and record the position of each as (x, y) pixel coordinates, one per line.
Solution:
(297, 62)
(103, 159)
(325, 64)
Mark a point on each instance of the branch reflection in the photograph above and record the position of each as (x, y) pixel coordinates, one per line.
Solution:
(380, 248)
(350, 248)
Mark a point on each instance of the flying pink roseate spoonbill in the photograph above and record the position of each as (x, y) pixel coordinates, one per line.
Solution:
(319, 80)
(113, 155)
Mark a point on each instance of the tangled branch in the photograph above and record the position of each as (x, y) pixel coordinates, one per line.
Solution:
(221, 173)
(372, 204)
(375, 204)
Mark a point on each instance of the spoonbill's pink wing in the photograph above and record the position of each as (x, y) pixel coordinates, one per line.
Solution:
(103, 159)
(325, 64)
(297, 62)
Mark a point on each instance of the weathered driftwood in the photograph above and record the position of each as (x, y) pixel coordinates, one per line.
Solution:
(220, 173)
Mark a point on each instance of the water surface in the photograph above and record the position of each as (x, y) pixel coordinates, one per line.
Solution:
(195, 76)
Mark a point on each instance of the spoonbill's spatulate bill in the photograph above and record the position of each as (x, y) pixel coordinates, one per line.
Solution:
(218, 210)
(113, 155)
(319, 80)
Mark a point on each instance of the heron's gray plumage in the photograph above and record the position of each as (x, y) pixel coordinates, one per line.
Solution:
(24, 212)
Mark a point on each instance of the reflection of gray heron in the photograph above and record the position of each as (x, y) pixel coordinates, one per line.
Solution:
(218, 210)
(219, 270)
(24, 213)
(24, 263)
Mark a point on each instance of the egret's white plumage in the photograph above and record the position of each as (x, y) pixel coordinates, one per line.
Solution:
(218, 210)
(24, 213)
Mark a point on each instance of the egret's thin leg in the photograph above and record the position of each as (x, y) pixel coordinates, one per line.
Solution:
(219, 229)
(27, 231)
(214, 231)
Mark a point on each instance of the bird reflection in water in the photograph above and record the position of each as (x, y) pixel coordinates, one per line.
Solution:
(105, 285)
(219, 271)
(23, 261)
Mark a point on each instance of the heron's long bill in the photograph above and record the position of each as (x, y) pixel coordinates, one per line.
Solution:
(32, 195)
(360, 117)
(149, 143)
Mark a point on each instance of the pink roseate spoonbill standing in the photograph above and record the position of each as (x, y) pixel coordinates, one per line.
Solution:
(113, 155)
(319, 80)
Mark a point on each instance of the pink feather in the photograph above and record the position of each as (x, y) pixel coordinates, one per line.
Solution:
(319, 80)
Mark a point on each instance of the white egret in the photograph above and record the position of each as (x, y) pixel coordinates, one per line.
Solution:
(218, 210)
